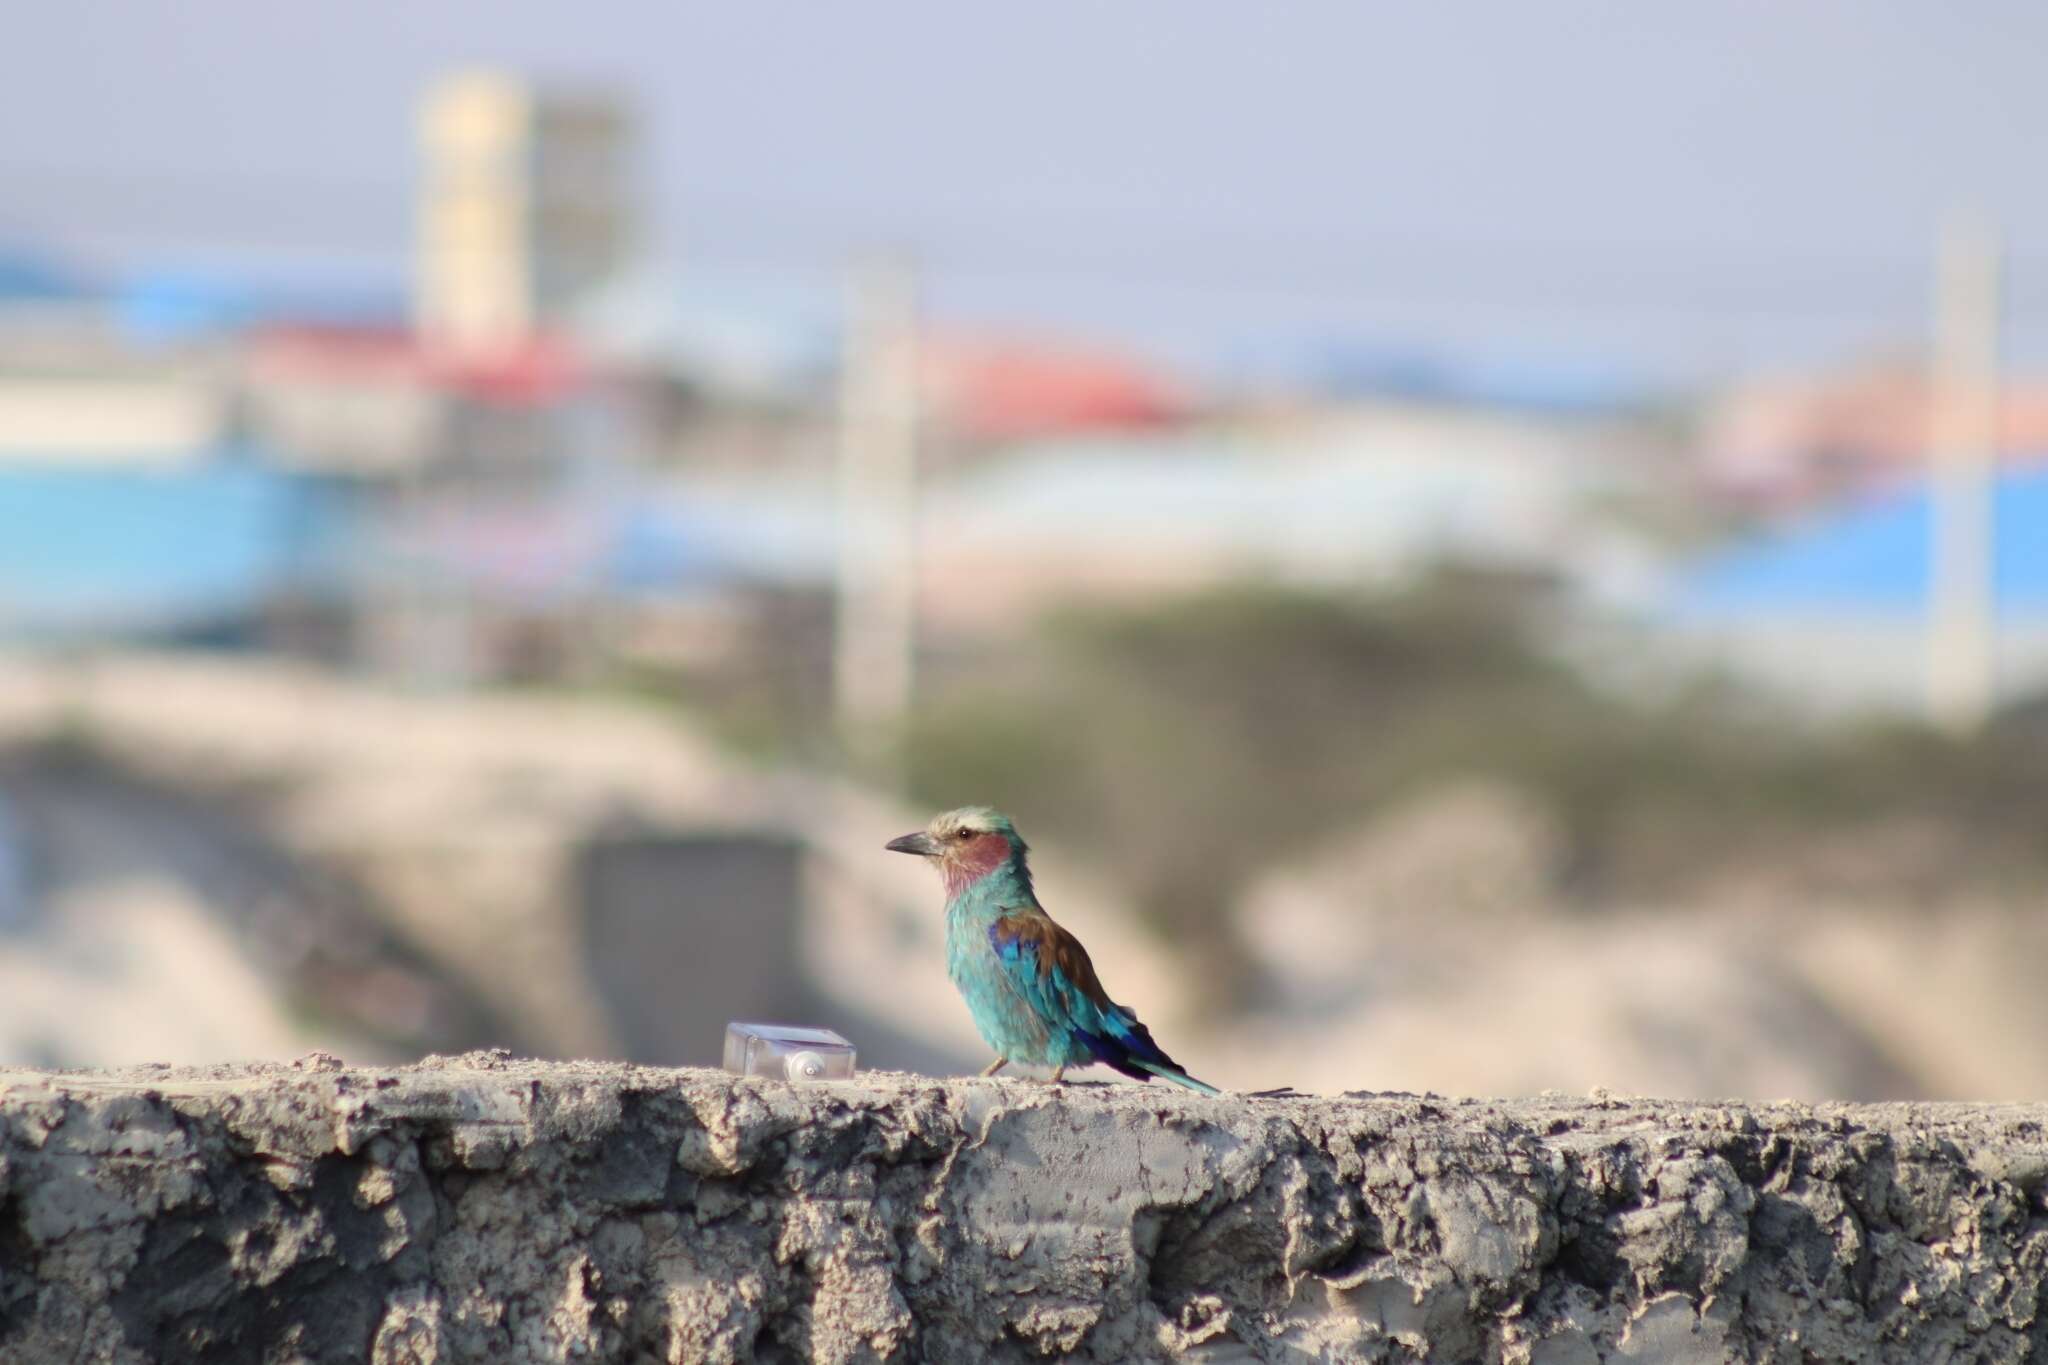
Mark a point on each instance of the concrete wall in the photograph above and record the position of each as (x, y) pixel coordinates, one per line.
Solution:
(482, 1209)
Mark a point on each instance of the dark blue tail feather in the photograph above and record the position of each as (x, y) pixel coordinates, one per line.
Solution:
(1131, 1051)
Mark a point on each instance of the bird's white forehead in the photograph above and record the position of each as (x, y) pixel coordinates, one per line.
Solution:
(966, 820)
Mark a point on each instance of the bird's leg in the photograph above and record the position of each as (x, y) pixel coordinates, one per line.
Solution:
(1059, 1075)
(997, 1065)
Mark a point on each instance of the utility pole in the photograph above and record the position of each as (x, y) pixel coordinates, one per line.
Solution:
(1961, 620)
(875, 625)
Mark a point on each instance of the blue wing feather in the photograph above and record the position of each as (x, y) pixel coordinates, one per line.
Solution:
(1050, 970)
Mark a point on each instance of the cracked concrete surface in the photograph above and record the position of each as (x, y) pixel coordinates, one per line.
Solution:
(486, 1209)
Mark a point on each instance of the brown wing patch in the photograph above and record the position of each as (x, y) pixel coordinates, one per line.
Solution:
(1055, 947)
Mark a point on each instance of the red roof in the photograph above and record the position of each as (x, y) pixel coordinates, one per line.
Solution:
(997, 389)
(537, 371)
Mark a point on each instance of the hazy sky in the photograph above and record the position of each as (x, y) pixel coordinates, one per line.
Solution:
(1693, 186)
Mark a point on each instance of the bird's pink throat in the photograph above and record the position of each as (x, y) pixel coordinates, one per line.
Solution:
(972, 859)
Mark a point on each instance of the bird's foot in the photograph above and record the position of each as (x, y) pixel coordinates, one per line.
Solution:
(1059, 1075)
(993, 1067)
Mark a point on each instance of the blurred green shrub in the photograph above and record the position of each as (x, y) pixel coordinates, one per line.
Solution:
(1187, 747)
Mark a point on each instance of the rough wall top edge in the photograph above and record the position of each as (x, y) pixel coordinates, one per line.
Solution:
(484, 1208)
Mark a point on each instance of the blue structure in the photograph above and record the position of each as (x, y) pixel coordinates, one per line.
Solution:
(136, 552)
(173, 305)
(1541, 387)
(1871, 561)
(27, 277)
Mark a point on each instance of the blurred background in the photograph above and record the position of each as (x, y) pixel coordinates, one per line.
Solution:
(1488, 547)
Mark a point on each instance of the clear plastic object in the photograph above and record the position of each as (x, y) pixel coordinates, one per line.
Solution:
(785, 1052)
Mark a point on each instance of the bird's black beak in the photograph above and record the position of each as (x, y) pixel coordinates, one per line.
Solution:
(919, 843)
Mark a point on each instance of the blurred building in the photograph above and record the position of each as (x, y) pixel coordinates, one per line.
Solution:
(721, 341)
(164, 369)
(1786, 442)
(212, 549)
(1833, 609)
(90, 405)
(1360, 494)
(525, 207)
(382, 402)
(134, 501)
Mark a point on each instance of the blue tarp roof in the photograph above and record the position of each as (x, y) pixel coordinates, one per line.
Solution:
(1874, 558)
(128, 550)
(171, 304)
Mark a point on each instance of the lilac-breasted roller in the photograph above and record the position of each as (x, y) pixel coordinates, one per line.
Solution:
(1028, 983)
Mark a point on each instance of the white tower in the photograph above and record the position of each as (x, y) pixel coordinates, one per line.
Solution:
(523, 210)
